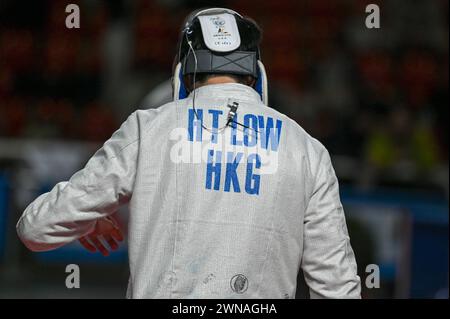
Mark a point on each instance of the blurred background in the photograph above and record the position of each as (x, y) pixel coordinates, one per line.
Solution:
(377, 99)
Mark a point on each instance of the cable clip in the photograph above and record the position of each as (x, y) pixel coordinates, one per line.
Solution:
(233, 105)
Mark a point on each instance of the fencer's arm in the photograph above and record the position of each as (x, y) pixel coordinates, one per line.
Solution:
(328, 261)
(70, 210)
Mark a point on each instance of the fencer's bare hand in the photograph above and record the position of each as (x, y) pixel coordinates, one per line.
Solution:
(107, 229)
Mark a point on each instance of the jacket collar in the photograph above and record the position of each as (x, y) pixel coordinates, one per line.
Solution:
(227, 90)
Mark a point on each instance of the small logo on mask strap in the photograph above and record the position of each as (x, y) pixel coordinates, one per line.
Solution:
(218, 21)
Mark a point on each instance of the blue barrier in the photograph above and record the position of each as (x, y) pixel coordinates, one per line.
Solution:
(429, 243)
(4, 200)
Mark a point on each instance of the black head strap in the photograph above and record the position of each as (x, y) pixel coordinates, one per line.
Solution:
(236, 62)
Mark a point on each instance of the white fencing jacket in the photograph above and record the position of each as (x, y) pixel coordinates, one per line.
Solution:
(214, 213)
